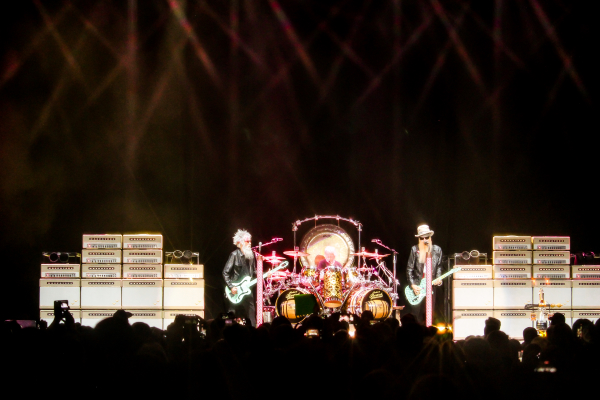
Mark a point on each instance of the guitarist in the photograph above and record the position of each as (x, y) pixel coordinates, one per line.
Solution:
(415, 270)
(240, 265)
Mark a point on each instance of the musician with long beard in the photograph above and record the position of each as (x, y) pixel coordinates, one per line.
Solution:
(241, 264)
(415, 270)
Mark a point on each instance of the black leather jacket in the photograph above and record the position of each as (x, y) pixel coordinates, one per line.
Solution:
(414, 269)
(237, 268)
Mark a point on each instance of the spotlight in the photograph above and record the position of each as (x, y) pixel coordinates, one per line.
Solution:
(443, 328)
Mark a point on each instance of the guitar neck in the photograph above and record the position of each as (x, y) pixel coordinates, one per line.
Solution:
(449, 273)
(281, 266)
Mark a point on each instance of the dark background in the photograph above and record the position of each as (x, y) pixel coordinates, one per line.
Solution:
(195, 118)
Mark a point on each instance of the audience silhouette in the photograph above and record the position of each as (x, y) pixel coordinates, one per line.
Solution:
(346, 356)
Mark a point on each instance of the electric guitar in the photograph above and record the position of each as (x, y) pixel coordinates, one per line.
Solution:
(416, 299)
(243, 286)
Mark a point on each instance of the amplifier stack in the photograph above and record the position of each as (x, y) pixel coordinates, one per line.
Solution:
(522, 265)
(116, 271)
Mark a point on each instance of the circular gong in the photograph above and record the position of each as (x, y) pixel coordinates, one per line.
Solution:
(321, 236)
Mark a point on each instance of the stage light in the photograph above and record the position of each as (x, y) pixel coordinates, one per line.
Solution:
(443, 328)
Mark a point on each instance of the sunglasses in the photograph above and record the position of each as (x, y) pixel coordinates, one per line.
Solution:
(424, 238)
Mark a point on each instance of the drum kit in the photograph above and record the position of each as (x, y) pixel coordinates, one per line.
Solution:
(347, 289)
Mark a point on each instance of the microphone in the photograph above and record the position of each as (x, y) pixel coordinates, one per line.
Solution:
(259, 246)
(277, 239)
(375, 240)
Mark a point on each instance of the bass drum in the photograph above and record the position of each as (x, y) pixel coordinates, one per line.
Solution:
(378, 301)
(285, 305)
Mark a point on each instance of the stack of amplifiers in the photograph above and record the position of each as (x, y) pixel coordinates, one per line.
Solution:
(522, 266)
(142, 291)
(513, 288)
(142, 256)
(101, 272)
(117, 272)
(60, 279)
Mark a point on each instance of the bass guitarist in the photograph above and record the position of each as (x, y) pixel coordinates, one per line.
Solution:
(415, 270)
(240, 265)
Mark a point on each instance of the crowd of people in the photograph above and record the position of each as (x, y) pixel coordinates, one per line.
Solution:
(322, 357)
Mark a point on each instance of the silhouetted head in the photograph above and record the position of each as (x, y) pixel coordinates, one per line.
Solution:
(557, 318)
(529, 334)
(491, 324)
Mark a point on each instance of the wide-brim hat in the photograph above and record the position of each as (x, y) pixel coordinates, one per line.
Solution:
(424, 231)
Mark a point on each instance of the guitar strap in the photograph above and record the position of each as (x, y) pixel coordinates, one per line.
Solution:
(428, 293)
(259, 289)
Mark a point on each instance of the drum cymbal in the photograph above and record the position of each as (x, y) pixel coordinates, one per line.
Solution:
(280, 273)
(365, 269)
(363, 254)
(376, 255)
(273, 259)
(294, 253)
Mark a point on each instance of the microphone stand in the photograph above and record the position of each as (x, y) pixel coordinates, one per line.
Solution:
(395, 296)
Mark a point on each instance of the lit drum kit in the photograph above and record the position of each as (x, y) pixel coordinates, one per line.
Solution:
(346, 289)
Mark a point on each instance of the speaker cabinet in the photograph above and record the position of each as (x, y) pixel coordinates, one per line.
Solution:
(48, 315)
(556, 291)
(586, 294)
(183, 294)
(101, 294)
(592, 315)
(169, 315)
(92, 317)
(142, 293)
(154, 318)
(512, 294)
(512, 322)
(469, 323)
(60, 289)
(472, 294)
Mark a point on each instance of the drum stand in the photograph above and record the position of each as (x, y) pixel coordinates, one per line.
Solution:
(395, 282)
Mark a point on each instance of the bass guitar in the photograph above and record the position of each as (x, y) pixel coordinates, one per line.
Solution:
(243, 286)
(416, 299)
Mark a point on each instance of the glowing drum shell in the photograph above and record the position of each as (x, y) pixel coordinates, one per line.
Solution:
(332, 287)
(350, 276)
(309, 274)
(285, 305)
(377, 301)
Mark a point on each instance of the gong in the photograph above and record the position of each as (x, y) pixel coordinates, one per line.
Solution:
(321, 236)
